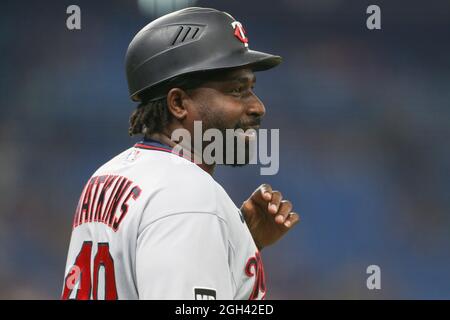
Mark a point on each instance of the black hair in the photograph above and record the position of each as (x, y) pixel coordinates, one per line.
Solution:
(152, 114)
(149, 117)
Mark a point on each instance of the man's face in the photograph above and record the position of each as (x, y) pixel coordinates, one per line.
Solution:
(228, 102)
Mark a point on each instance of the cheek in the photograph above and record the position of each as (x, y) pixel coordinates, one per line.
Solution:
(230, 112)
(220, 113)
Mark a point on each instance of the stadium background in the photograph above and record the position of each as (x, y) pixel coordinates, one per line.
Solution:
(364, 120)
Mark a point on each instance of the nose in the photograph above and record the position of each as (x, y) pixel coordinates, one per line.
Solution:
(255, 107)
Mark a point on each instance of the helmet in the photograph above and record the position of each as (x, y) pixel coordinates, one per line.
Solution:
(187, 41)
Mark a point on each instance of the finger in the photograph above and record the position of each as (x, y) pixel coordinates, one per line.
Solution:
(275, 202)
(283, 211)
(266, 191)
(262, 195)
(292, 219)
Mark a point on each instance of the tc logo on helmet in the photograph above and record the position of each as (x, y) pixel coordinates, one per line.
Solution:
(239, 32)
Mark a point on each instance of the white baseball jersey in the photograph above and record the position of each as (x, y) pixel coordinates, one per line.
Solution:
(152, 225)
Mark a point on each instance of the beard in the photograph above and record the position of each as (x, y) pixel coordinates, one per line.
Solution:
(238, 144)
(241, 148)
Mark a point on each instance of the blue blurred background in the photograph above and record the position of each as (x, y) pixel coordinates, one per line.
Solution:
(364, 120)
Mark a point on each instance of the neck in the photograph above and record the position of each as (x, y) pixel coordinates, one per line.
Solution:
(165, 139)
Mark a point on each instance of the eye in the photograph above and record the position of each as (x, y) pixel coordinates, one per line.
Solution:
(242, 91)
(236, 90)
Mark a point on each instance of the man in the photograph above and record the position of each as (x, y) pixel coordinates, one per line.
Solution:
(152, 223)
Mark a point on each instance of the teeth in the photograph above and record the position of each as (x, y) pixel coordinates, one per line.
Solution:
(251, 134)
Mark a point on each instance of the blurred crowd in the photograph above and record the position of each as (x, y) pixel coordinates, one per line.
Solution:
(364, 119)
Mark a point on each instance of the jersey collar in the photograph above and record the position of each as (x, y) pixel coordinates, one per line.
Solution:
(150, 144)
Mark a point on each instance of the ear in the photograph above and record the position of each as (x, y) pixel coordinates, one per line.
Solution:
(177, 103)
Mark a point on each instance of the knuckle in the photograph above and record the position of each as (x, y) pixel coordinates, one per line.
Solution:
(287, 203)
(277, 194)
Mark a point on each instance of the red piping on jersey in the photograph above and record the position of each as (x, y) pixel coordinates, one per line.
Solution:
(144, 146)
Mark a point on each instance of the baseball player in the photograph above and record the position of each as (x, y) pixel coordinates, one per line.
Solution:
(153, 224)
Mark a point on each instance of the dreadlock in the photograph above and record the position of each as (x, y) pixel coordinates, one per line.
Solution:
(152, 114)
(149, 117)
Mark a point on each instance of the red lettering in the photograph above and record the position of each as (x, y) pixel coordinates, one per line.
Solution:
(134, 193)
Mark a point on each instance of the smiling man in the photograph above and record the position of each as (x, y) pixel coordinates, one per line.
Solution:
(222, 101)
(152, 223)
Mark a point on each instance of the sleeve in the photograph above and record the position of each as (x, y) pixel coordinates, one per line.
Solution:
(184, 256)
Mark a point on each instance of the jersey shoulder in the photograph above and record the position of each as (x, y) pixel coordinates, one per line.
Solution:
(181, 186)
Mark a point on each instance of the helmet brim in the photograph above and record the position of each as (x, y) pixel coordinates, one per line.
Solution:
(254, 60)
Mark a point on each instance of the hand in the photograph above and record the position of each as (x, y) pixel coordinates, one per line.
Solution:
(268, 216)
